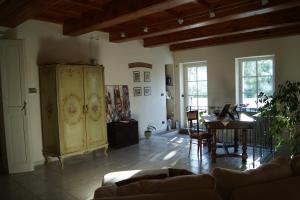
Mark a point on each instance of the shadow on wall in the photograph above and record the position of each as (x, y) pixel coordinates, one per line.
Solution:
(69, 50)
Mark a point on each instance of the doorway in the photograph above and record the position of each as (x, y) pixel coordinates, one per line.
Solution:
(195, 86)
(3, 158)
(13, 111)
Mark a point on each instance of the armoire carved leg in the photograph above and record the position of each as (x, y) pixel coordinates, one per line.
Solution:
(105, 150)
(61, 161)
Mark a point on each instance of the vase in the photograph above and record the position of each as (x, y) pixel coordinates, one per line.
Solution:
(148, 134)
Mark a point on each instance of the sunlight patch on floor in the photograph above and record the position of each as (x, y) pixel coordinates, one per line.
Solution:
(170, 155)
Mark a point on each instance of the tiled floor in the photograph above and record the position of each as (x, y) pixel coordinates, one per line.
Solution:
(82, 174)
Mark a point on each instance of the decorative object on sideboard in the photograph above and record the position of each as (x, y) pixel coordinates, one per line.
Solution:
(117, 103)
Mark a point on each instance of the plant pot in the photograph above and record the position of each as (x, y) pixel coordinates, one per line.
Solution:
(148, 134)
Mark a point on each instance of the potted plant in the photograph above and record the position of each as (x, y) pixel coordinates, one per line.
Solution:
(283, 109)
(148, 131)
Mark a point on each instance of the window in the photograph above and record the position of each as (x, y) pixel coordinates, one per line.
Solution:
(196, 85)
(255, 75)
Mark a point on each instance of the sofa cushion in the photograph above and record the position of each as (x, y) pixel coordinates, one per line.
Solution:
(172, 184)
(228, 180)
(139, 178)
(295, 164)
(113, 177)
(106, 191)
(287, 188)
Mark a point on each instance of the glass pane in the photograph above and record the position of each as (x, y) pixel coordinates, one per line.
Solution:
(201, 73)
(265, 67)
(249, 100)
(192, 102)
(265, 84)
(192, 73)
(192, 88)
(202, 103)
(202, 88)
(249, 87)
(249, 68)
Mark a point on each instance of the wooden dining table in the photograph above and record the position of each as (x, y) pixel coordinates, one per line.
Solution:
(243, 123)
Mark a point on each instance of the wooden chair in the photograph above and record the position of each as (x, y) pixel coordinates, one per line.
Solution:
(196, 134)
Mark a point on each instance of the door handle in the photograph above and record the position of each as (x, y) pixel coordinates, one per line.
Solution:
(85, 108)
(24, 107)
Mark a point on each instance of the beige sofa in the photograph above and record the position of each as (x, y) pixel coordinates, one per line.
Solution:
(279, 179)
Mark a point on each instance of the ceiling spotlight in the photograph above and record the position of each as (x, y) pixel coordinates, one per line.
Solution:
(180, 21)
(146, 29)
(264, 2)
(123, 34)
(212, 13)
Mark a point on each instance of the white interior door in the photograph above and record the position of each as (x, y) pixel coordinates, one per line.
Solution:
(14, 106)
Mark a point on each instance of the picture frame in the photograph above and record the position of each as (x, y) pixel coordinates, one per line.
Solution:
(147, 76)
(137, 91)
(147, 91)
(136, 76)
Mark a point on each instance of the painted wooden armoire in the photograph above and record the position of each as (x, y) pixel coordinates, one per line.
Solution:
(72, 109)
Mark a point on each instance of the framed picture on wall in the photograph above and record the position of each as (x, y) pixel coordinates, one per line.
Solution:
(137, 91)
(147, 91)
(147, 77)
(136, 76)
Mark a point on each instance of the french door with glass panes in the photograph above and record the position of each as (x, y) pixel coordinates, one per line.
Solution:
(195, 86)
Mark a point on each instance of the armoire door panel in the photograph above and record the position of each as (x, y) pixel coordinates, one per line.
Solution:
(71, 112)
(48, 97)
(94, 99)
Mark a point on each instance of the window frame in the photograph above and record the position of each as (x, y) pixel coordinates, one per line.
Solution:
(186, 93)
(239, 75)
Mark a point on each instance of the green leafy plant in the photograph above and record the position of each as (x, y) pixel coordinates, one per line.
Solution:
(151, 128)
(148, 131)
(283, 109)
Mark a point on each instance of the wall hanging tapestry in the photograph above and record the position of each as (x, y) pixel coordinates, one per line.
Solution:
(117, 103)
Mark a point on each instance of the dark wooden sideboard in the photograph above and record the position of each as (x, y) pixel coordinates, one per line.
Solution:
(122, 134)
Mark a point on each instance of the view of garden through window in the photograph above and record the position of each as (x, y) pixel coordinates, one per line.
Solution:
(196, 85)
(256, 76)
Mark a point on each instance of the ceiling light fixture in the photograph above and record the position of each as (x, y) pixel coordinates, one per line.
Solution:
(146, 29)
(211, 13)
(264, 2)
(123, 34)
(180, 21)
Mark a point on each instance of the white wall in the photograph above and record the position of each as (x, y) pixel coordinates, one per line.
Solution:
(44, 43)
(221, 64)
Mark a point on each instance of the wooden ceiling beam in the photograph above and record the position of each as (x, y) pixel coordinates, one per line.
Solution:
(15, 12)
(275, 18)
(84, 5)
(117, 12)
(236, 11)
(261, 33)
